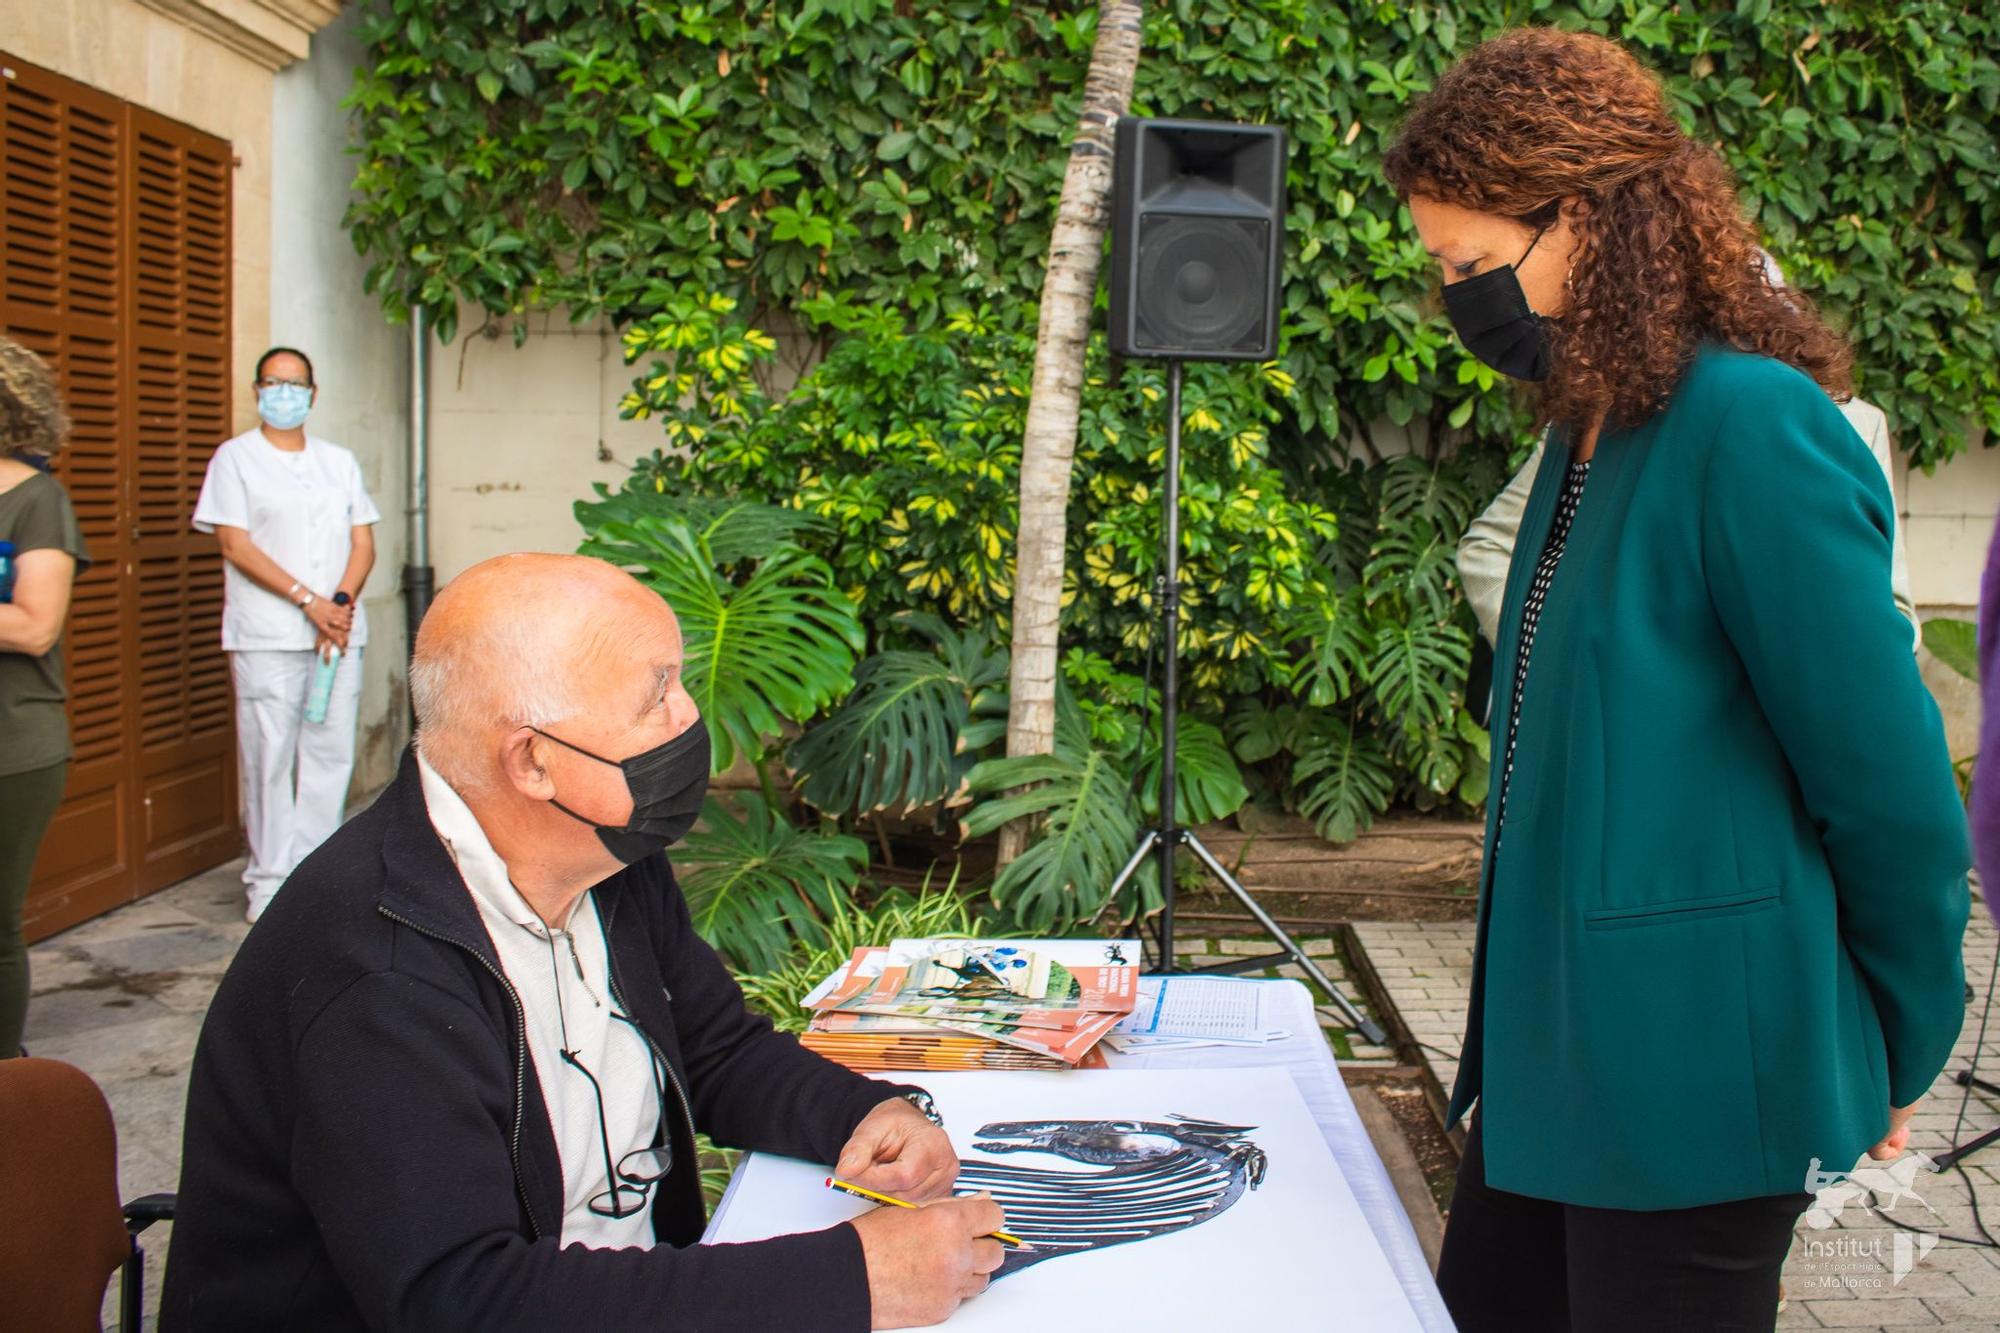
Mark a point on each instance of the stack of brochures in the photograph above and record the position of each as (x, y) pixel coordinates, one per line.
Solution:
(975, 1004)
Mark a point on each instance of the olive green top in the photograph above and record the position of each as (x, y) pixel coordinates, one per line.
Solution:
(1720, 933)
(34, 731)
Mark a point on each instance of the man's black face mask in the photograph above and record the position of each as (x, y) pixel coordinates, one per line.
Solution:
(667, 782)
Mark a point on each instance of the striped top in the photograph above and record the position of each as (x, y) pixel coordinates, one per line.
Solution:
(1531, 618)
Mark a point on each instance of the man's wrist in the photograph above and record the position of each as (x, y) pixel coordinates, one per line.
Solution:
(925, 1107)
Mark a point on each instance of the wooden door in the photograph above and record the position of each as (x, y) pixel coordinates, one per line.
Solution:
(114, 266)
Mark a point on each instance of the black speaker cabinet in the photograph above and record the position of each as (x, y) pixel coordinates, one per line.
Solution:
(1197, 240)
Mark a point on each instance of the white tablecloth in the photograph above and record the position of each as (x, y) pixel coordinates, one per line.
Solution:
(1310, 1060)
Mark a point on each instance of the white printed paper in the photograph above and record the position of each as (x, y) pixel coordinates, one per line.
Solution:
(1169, 1197)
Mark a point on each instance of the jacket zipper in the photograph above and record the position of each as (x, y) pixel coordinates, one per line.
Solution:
(520, 1052)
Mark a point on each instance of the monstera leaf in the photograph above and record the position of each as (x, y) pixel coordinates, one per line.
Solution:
(780, 644)
(1413, 670)
(1089, 824)
(903, 737)
(1338, 641)
(1342, 779)
(1413, 564)
(755, 883)
(731, 530)
(1257, 731)
(1412, 489)
(1207, 784)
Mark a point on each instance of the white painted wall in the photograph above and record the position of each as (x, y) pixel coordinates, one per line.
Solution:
(1948, 517)
(1948, 520)
(360, 361)
(518, 434)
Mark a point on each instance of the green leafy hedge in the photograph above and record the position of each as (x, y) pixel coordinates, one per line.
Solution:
(601, 155)
(1324, 638)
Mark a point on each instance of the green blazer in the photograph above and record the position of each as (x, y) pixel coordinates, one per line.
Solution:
(1719, 934)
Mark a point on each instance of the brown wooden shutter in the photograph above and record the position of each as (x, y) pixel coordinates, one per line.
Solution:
(114, 265)
(180, 345)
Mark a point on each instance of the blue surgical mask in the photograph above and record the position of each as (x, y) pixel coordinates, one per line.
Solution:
(284, 406)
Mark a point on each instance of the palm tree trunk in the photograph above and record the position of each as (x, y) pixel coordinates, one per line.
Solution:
(1054, 401)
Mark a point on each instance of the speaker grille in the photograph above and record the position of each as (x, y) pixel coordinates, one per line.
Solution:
(1202, 282)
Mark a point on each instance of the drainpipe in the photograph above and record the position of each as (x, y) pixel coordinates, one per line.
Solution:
(419, 579)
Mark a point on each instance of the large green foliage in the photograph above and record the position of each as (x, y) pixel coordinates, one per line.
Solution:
(908, 733)
(1306, 582)
(776, 644)
(756, 882)
(604, 155)
(1081, 796)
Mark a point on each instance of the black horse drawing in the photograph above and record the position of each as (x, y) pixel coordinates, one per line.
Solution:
(1159, 1176)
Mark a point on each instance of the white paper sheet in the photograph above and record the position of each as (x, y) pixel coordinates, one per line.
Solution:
(1197, 1011)
(1294, 1248)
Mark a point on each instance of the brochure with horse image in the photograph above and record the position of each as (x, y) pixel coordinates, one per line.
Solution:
(1159, 1197)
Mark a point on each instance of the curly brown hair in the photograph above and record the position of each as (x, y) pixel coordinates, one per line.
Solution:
(32, 421)
(1536, 118)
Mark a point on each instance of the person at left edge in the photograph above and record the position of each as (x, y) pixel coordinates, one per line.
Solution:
(294, 521)
(37, 521)
(486, 990)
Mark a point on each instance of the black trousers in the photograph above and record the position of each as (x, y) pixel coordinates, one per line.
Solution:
(1515, 1263)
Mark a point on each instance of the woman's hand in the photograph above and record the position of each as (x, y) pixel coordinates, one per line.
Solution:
(1898, 1137)
(330, 620)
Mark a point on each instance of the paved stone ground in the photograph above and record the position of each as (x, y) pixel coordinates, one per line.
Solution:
(122, 998)
(1843, 1273)
(1326, 955)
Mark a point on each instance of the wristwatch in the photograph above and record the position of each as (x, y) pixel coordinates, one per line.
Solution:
(925, 1107)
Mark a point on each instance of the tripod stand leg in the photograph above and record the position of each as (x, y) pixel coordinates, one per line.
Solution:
(1146, 841)
(1369, 1029)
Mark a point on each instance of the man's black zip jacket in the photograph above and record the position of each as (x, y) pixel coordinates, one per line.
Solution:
(367, 1145)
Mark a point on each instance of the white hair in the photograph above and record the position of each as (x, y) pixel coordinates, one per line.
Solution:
(509, 672)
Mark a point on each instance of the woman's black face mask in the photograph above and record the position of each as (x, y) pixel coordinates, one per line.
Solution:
(1491, 314)
(667, 782)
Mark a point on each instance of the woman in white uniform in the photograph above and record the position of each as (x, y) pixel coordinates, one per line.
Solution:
(294, 521)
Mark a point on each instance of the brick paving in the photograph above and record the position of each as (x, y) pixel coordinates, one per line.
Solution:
(1328, 957)
(1842, 1274)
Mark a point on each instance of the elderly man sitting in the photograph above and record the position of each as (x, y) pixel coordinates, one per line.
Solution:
(453, 1078)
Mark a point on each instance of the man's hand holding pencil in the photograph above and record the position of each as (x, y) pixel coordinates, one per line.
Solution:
(923, 1262)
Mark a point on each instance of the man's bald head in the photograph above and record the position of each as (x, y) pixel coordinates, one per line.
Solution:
(531, 640)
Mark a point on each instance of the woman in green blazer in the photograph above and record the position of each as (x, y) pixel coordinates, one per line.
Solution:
(1719, 929)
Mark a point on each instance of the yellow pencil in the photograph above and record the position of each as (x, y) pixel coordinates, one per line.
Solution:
(873, 1197)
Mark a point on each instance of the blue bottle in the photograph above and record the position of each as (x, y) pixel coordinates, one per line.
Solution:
(6, 571)
(321, 693)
